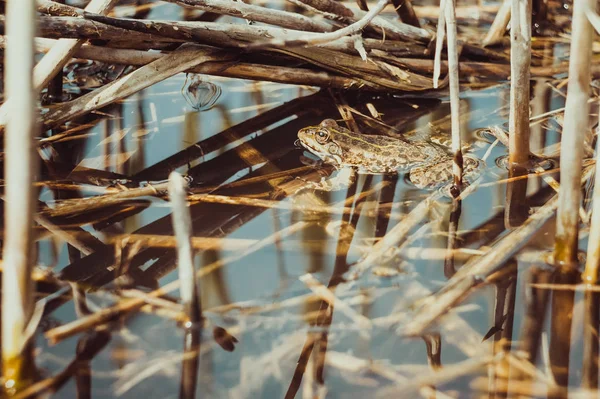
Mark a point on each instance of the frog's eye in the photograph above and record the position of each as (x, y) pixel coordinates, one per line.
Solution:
(322, 136)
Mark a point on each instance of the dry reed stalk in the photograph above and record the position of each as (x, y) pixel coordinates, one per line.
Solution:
(322, 38)
(388, 29)
(592, 262)
(188, 288)
(466, 11)
(576, 124)
(439, 43)
(520, 60)
(57, 57)
(255, 13)
(20, 169)
(262, 203)
(198, 243)
(55, 8)
(182, 225)
(178, 61)
(498, 28)
(457, 165)
(238, 36)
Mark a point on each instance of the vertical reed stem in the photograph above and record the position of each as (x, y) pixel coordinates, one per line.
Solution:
(439, 43)
(592, 262)
(182, 225)
(520, 60)
(20, 166)
(457, 166)
(575, 126)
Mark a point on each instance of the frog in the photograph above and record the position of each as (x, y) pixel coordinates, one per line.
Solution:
(429, 165)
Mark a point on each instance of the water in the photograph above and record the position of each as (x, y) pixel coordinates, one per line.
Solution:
(268, 332)
(358, 361)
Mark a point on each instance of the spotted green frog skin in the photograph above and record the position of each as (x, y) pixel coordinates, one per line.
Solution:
(429, 165)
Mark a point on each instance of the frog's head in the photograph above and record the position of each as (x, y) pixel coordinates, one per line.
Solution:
(320, 141)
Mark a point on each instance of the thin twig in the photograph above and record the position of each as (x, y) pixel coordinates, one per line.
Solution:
(325, 37)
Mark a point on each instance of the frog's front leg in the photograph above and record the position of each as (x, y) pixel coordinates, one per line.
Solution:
(342, 179)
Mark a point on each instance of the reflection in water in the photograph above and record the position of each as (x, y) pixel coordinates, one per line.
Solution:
(254, 264)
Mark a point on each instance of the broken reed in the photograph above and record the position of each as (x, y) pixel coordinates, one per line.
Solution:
(575, 125)
(520, 60)
(19, 194)
(457, 165)
(182, 225)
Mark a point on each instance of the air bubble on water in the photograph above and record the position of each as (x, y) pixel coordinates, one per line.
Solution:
(200, 94)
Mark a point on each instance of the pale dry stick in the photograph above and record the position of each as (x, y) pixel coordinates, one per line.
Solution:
(576, 124)
(198, 243)
(457, 165)
(470, 11)
(349, 30)
(159, 70)
(54, 8)
(474, 272)
(498, 28)
(182, 225)
(19, 207)
(56, 58)
(108, 314)
(520, 60)
(64, 235)
(385, 27)
(70, 206)
(592, 262)
(255, 13)
(336, 209)
(207, 243)
(439, 43)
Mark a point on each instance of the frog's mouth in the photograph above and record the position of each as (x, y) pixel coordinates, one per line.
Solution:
(326, 157)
